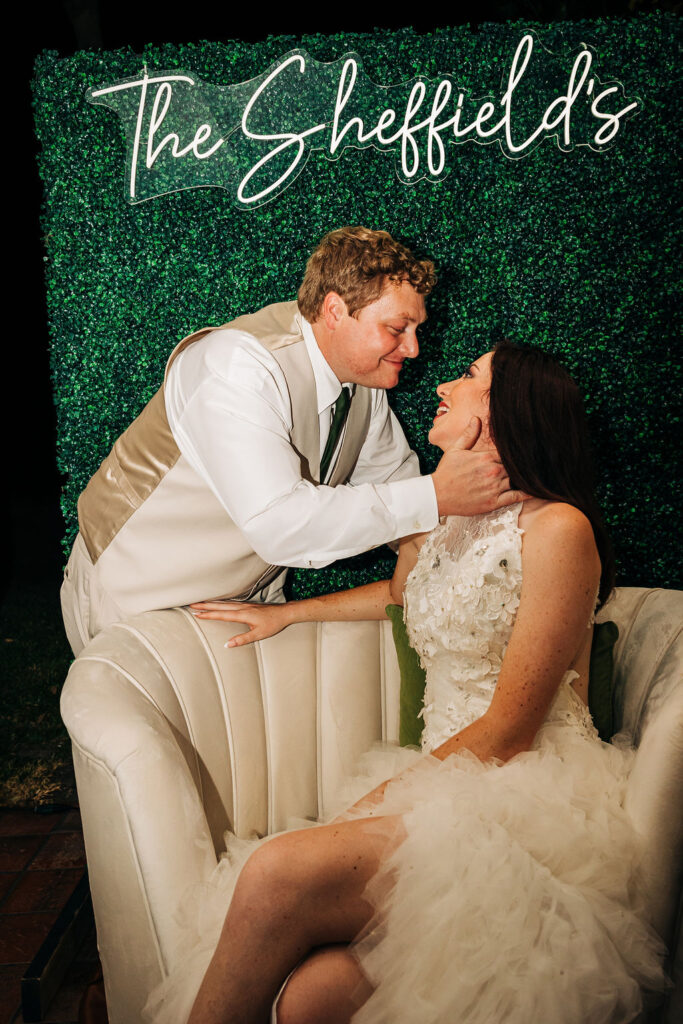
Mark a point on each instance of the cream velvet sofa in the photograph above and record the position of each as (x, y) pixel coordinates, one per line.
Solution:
(177, 739)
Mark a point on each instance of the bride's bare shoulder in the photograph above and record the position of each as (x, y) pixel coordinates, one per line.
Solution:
(551, 514)
(556, 524)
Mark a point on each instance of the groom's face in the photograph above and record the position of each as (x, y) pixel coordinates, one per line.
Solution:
(370, 347)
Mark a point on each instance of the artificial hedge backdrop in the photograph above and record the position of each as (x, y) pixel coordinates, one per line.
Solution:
(573, 251)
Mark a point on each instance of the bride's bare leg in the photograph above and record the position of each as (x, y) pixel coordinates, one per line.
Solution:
(328, 986)
(298, 891)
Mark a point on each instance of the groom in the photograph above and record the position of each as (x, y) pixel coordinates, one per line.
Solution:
(271, 444)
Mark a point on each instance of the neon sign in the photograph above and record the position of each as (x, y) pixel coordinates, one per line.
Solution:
(254, 138)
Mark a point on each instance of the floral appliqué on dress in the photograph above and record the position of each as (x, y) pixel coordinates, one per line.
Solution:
(461, 599)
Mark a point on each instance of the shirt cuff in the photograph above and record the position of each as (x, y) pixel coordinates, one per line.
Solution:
(413, 505)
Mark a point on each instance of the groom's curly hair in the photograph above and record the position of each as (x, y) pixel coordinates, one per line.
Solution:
(355, 262)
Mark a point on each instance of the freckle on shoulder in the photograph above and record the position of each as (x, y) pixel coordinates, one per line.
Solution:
(561, 525)
(562, 516)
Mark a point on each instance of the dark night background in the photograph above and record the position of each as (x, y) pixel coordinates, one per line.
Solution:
(34, 653)
(35, 757)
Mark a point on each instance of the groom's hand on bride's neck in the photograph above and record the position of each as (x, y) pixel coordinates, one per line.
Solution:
(470, 481)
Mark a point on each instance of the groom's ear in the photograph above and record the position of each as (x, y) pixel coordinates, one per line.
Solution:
(333, 310)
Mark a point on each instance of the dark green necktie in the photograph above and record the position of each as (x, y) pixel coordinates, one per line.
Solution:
(341, 408)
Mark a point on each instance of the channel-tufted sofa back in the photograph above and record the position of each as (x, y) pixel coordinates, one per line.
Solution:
(177, 739)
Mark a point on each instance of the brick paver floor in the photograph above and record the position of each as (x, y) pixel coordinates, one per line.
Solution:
(41, 860)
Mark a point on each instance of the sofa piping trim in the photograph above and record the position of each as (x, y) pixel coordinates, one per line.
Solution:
(318, 717)
(261, 669)
(136, 860)
(226, 714)
(171, 678)
(623, 639)
(647, 688)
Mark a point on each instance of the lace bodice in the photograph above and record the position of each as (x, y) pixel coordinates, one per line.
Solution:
(461, 599)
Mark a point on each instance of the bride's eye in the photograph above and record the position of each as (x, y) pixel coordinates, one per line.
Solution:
(466, 373)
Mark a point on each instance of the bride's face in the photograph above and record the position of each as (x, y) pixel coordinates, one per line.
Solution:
(462, 399)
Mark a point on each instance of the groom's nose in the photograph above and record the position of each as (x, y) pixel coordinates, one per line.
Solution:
(410, 346)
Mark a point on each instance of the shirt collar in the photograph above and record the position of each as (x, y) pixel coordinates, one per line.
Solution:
(327, 385)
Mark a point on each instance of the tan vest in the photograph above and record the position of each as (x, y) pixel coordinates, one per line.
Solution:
(155, 532)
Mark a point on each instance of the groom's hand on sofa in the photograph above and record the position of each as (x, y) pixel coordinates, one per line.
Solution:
(468, 481)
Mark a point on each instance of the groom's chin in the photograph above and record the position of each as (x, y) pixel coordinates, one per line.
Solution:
(391, 374)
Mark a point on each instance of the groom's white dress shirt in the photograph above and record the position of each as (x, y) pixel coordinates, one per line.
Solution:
(212, 491)
(229, 410)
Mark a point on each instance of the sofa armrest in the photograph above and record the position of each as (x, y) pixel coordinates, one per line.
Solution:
(177, 739)
(127, 760)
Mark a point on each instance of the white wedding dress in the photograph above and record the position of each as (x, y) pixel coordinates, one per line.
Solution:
(515, 896)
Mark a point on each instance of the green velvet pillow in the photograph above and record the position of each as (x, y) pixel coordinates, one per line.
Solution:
(605, 635)
(600, 679)
(412, 681)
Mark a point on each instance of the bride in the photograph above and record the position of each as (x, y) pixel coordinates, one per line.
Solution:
(493, 876)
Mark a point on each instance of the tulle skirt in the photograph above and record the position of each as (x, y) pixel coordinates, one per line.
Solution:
(515, 897)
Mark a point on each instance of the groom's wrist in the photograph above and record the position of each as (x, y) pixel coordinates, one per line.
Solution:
(413, 505)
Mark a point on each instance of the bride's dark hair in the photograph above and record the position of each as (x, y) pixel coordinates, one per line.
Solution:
(538, 424)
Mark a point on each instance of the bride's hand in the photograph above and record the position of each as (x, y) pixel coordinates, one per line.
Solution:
(263, 620)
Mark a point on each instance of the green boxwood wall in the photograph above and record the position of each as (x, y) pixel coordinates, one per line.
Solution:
(573, 251)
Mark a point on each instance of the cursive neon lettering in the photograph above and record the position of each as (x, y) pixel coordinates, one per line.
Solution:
(441, 98)
(613, 121)
(300, 105)
(288, 139)
(163, 97)
(343, 93)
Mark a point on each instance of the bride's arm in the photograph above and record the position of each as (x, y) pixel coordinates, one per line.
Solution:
(560, 578)
(365, 602)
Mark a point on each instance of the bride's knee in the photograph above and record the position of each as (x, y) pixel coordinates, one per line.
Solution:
(270, 876)
(329, 985)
